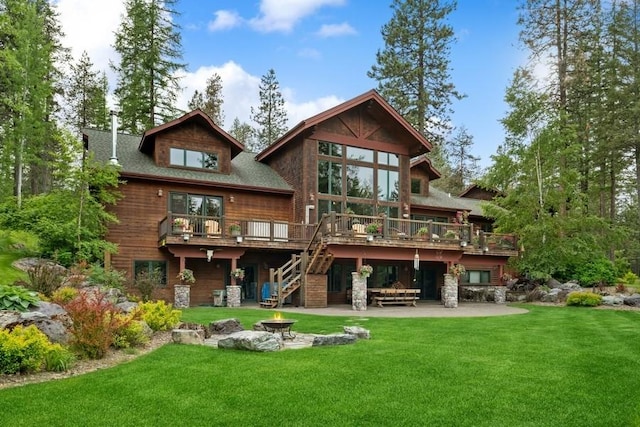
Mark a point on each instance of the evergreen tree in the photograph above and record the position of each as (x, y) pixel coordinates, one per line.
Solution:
(211, 101)
(87, 96)
(149, 44)
(244, 133)
(412, 70)
(464, 165)
(270, 116)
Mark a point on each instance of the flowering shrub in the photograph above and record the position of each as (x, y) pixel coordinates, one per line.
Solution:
(237, 274)
(234, 226)
(186, 277)
(366, 270)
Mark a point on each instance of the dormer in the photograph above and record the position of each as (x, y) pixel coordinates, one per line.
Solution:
(422, 173)
(193, 142)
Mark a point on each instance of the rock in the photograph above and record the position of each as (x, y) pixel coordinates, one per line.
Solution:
(225, 327)
(187, 336)
(333, 339)
(571, 286)
(26, 264)
(258, 326)
(8, 318)
(195, 327)
(252, 341)
(55, 330)
(633, 300)
(127, 306)
(49, 309)
(357, 331)
(553, 283)
(613, 300)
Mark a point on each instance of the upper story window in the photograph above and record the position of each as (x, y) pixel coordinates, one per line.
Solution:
(416, 186)
(193, 159)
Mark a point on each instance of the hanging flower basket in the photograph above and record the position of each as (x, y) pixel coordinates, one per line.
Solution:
(366, 270)
(457, 270)
(237, 274)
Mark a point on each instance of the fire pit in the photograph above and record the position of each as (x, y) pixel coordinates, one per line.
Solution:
(279, 325)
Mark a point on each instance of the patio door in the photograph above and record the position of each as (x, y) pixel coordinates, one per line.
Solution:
(426, 282)
(250, 282)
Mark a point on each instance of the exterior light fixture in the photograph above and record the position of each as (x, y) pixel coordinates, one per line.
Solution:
(185, 237)
(238, 239)
(369, 237)
(463, 243)
(416, 261)
(485, 249)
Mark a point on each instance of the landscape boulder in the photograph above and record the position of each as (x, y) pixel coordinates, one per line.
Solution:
(633, 300)
(613, 300)
(252, 341)
(187, 336)
(225, 327)
(357, 331)
(333, 339)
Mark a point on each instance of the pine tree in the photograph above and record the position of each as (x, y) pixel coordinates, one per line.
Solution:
(244, 133)
(270, 116)
(412, 70)
(211, 101)
(149, 44)
(464, 165)
(87, 96)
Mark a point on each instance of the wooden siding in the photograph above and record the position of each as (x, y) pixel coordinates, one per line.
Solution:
(194, 137)
(315, 291)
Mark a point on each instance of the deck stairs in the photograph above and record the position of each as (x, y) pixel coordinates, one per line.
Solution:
(286, 280)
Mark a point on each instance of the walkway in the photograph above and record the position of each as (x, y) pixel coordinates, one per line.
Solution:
(423, 309)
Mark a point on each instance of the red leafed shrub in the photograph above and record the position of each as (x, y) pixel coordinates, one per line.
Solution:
(94, 324)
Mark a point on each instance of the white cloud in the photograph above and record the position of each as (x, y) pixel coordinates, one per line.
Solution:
(283, 15)
(336, 30)
(225, 20)
(240, 91)
(90, 26)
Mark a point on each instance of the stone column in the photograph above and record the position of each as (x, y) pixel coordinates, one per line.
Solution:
(450, 291)
(182, 296)
(233, 296)
(500, 294)
(358, 292)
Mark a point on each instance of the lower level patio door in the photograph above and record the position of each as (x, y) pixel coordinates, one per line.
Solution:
(250, 283)
(426, 282)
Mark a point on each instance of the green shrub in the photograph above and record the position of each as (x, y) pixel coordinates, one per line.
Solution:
(45, 277)
(629, 279)
(17, 298)
(584, 299)
(108, 278)
(93, 324)
(64, 295)
(22, 349)
(58, 358)
(159, 315)
(130, 331)
(596, 272)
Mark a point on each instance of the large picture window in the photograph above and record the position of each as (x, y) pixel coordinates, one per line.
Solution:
(195, 204)
(477, 276)
(156, 270)
(193, 159)
(367, 181)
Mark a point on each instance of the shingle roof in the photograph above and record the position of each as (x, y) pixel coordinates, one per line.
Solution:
(245, 170)
(440, 199)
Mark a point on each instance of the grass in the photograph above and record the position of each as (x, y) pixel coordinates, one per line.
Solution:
(555, 366)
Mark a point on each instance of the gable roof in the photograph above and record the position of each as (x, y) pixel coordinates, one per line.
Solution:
(371, 97)
(423, 162)
(474, 190)
(442, 200)
(148, 138)
(246, 173)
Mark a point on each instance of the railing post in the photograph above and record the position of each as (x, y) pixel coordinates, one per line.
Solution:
(430, 230)
(279, 285)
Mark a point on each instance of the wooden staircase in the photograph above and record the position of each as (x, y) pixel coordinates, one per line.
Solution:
(289, 278)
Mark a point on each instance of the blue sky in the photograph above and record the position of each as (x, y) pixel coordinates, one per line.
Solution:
(320, 50)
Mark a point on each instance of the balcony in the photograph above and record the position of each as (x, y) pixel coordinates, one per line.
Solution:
(347, 229)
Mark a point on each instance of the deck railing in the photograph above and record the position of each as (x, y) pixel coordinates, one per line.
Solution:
(335, 225)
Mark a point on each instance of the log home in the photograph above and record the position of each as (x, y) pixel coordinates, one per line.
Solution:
(344, 188)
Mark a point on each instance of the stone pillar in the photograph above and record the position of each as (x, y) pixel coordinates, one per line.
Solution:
(233, 296)
(500, 295)
(182, 296)
(450, 291)
(358, 292)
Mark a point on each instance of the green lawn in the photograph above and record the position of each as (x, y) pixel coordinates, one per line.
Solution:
(551, 367)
